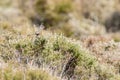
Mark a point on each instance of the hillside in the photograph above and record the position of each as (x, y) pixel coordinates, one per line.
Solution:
(59, 40)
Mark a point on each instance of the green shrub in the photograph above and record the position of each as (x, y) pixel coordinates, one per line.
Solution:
(20, 73)
(54, 50)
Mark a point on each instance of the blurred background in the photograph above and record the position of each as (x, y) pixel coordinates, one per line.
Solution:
(73, 18)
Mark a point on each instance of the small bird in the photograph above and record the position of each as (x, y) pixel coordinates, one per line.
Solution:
(39, 30)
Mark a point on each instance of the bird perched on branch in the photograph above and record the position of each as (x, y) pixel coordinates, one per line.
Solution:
(39, 29)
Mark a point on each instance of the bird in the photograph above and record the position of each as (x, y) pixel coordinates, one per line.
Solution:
(41, 27)
(39, 30)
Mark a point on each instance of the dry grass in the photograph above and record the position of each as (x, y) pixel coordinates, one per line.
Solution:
(90, 53)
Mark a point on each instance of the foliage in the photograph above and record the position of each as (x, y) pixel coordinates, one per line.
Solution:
(28, 53)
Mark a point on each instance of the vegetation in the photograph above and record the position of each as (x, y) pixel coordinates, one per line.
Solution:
(73, 46)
